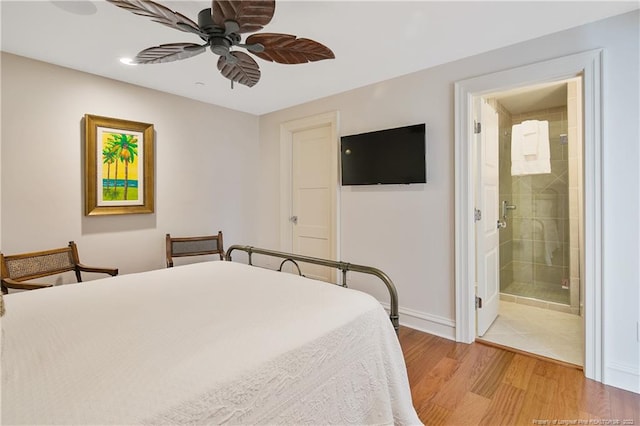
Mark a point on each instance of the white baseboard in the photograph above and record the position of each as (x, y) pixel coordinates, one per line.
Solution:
(432, 324)
(623, 376)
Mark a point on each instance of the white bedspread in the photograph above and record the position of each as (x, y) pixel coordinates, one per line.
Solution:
(208, 343)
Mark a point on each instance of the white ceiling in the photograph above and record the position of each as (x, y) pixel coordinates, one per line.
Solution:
(372, 41)
(533, 98)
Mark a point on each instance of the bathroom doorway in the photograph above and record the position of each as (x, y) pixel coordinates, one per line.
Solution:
(588, 65)
(540, 220)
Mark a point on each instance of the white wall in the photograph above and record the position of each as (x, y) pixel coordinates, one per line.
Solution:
(409, 231)
(394, 228)
(205, 161)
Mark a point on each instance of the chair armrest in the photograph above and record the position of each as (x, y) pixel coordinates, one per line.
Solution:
(22, 285)
(111, 271)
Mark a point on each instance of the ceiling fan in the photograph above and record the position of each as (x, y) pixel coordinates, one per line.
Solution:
(220, 27)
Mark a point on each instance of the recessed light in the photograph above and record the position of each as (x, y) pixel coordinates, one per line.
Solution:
(127, 61)
(77, 7)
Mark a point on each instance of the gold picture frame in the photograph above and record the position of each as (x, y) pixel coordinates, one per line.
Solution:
(119, 166)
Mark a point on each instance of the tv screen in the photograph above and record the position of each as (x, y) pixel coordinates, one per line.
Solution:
(392, 156)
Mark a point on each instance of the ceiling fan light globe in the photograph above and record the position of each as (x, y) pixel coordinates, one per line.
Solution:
(220, 46)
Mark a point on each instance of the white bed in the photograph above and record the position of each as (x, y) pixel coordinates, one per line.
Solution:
(207, 343)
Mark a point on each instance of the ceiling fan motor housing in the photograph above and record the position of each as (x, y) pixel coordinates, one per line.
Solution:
(220, 39)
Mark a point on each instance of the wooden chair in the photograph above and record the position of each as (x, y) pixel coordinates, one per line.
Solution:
(193, 246)
(16, 269)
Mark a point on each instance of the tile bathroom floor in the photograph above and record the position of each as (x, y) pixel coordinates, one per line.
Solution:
(540, 290)
(540, 331)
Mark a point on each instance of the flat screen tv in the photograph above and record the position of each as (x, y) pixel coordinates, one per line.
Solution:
(392, 156)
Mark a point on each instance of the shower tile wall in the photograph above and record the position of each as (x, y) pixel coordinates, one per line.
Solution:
(535, 252)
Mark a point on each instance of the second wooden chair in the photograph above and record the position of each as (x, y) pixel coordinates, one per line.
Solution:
(193, 246)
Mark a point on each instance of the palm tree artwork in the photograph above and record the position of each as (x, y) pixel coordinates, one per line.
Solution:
(120, 148)
(108, 158)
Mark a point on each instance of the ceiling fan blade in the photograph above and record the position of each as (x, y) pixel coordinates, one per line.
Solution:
(288, 49)
(251, 15)
(244, 71)
(159, 13)
(168, 53)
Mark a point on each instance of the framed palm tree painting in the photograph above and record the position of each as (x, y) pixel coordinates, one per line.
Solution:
(119, 167)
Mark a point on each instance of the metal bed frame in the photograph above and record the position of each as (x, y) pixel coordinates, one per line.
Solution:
(343, 266)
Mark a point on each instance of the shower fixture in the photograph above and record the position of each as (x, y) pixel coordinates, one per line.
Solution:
(506, 206)
(502, 222)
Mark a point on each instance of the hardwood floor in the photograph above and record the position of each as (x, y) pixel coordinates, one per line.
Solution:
(459, 384)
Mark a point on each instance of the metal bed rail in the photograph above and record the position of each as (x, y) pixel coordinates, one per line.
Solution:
(342, 266)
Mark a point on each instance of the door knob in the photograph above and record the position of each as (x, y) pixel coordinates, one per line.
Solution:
(294, 220)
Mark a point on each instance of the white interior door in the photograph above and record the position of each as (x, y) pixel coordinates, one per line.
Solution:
(312, 189)
(487, 231)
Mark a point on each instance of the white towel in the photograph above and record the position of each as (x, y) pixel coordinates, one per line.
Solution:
(529, 137)
(530, 144)
(530, 153)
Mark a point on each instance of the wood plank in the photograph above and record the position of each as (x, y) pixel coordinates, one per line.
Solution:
(427, 387)
(470, 410)
(422, 351)
(565, 404)
(519, 372)
(595, 400)
(434, 414)
(624, 405)
(493, 374)
(505, 406)
(455, 390)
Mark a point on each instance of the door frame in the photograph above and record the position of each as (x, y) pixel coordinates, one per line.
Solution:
(589, 66)
(287, 130)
